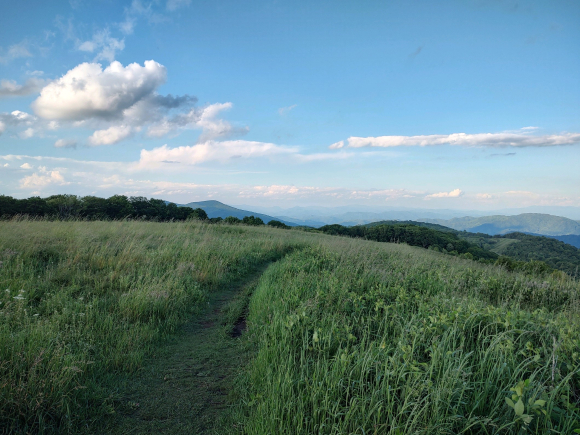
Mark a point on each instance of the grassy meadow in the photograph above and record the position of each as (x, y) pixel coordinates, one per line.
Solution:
(371, 338)
(346, 335)
(82, 303)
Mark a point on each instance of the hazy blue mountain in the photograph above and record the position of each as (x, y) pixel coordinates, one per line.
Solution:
(534, 223)
(218, 209)
(570, 239)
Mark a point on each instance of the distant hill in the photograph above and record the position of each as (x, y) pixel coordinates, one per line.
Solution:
(219, 209)
(558, 252)
(570, 239)
(535, 223)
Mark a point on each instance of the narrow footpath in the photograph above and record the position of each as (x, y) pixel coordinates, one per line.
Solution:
(183, 388)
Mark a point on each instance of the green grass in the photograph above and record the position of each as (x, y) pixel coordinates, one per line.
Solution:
(355, 337)
(83, 303)
(344, 335)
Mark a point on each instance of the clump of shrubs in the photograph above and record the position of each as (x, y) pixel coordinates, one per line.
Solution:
(278, 224)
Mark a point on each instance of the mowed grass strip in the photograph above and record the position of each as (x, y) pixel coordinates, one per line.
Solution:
(355, 337)
(83, 303)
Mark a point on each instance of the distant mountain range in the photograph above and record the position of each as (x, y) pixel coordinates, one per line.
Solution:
(317, 216)
(218, 209)
(531, 223)
(538, 224)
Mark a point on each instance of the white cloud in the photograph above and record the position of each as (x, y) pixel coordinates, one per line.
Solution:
(103, 43)
(87, 91)
(337, 145)
(483, 196)
(111, 135)
(41, 179)
(27, 134)
(453, 194)
(176, 4)
(199, 118)
(9, 88)
(25, 124)
(16, 118)
(65, 143)
(284, 110)
(494, 140)
(26, 166)
(209, 151)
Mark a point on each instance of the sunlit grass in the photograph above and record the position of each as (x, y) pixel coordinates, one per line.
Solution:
(355, 337)
(84, 302)
(349, 336)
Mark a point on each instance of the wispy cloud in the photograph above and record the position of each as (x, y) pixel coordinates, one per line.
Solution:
(15, 51)
(284, 110)
(173, 5)
(103, 44)
(520, 139)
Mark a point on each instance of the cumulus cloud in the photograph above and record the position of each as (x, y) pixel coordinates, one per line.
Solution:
(493, 140)
(453, 194)
(65, 143)
(111, 135)
(483, 196)
(41, 179)
(26, 166)
(119, 101)
(16, 119)
(337, 145)
(9, 88)
(87, 91)
(210, 151)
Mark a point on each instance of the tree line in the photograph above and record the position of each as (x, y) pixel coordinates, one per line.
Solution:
(92, 207)
(413, 235)
(115, 207)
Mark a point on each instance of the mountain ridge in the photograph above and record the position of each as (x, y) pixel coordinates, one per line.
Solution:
(215, 208)
(532, 223)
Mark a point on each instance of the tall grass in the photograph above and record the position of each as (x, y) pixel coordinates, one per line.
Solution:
(82, 303)
(350, 336)
(366, 338)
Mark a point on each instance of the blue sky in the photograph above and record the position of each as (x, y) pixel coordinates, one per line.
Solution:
(456, 104)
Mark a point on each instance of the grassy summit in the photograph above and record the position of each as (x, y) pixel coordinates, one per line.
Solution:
(343, 335)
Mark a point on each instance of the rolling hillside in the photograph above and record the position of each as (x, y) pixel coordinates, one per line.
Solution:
(535, 223)
(557, 253)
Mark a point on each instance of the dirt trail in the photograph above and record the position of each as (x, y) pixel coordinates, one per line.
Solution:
(183, 389)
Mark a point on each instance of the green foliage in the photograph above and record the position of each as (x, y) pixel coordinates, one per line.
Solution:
(353, 337)
(94, 208)
(554, 253)
(278, 224)
(412, 235)
(83, 303)
(232, 220)
(350, 336)
(251, 220)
